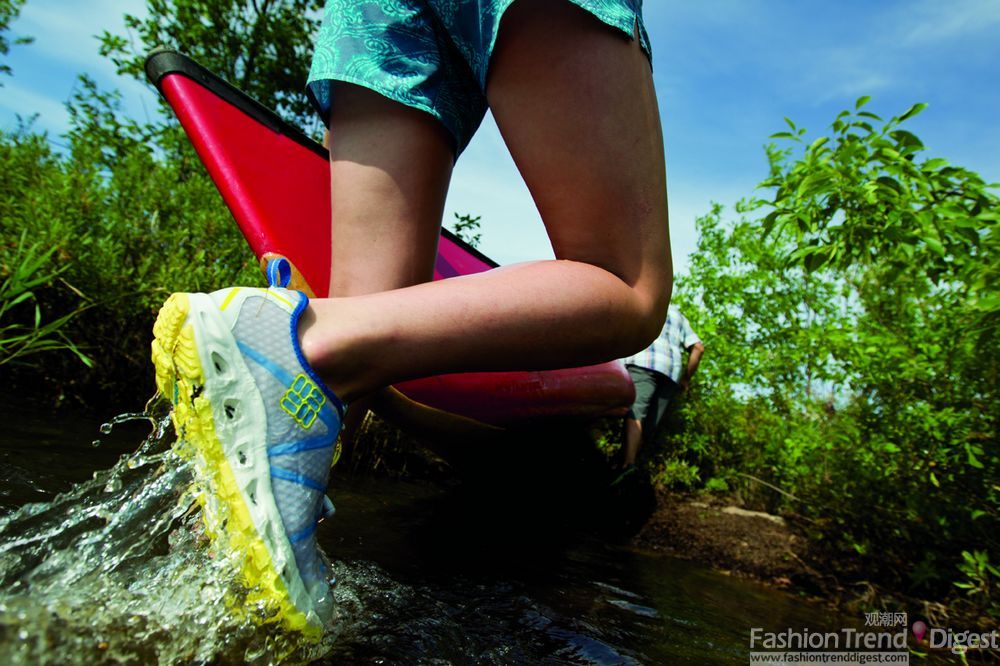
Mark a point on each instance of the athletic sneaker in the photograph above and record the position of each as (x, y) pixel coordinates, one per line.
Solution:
(263, 427)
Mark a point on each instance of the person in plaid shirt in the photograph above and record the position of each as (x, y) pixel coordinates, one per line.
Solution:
(659, 374)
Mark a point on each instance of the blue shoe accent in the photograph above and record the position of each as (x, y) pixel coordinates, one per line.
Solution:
(294, 477)
(288, 379)
(304, 534)
(279, 272)
(279, 373)
(299, 446)
(293, 333)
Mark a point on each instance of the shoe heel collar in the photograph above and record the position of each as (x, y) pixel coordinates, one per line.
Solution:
(294, 332)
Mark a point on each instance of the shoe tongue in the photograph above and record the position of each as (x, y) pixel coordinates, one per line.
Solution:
(279, 272)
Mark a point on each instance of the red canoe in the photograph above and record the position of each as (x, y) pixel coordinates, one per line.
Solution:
(275, 180)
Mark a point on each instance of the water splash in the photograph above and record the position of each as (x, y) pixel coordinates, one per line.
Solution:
(118, 570)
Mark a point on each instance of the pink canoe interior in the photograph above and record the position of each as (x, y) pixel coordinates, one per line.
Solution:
(276, 183)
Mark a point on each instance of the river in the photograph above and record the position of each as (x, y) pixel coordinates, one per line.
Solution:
(102, 560)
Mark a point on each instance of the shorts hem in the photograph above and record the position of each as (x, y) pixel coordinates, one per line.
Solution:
(387, 92)
(636, 31)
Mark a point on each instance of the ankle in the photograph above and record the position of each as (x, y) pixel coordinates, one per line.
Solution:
(334, 351)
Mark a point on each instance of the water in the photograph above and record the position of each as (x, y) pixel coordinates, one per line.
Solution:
(111, 566)
(116, 569)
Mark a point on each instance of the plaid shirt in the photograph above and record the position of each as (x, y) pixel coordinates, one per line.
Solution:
(665, 355)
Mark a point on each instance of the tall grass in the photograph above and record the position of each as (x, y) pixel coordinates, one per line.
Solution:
(125, 230)
(22, 330)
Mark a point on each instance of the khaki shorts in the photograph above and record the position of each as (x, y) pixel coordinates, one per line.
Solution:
(653, 392)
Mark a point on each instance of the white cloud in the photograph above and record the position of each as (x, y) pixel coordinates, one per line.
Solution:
(19, 100)
(848, 73)
(932, 21)
(66, 32)
(64, 46)
(882, 52)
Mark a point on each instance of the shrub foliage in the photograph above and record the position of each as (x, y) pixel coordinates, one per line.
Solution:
(850, 314)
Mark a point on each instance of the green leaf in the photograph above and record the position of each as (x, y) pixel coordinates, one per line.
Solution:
(971, 458)
(23, 296)
(890, 183)
(934, 244)
(934, 164)
(769, 221)
(814, 261)
(814, 183)
(912, 111)
(907, 139)
(887, 153)
(818, 143)
(864, 99)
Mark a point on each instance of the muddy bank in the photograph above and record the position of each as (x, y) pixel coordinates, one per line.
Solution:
(776, 552)
(730, 539)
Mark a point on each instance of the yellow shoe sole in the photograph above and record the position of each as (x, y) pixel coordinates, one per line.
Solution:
(181, 378)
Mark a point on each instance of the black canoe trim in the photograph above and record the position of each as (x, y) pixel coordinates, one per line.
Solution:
(162, 61)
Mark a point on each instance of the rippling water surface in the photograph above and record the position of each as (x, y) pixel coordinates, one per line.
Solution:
(111, 566)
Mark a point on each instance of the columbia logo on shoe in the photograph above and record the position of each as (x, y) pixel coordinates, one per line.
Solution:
(302, 401)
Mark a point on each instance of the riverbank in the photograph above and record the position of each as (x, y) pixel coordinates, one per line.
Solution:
(730, 539)
(563, 480)
(775, 550)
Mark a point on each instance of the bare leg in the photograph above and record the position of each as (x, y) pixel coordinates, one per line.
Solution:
(389, 172)
(633, 441)
(380, 202)
(576, 106)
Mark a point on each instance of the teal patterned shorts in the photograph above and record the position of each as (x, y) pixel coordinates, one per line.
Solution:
(431, 55)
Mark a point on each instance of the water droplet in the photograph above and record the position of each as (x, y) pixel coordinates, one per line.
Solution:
(114, 527)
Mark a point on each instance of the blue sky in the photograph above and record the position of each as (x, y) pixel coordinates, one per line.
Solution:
(727, 72)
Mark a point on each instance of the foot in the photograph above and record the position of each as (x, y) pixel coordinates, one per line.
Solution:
(263, 426)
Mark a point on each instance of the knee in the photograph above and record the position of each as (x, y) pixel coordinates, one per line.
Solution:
(651, 311)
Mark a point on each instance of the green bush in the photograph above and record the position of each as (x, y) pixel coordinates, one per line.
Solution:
(127, 209)
(851, 325)
(119, 239)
